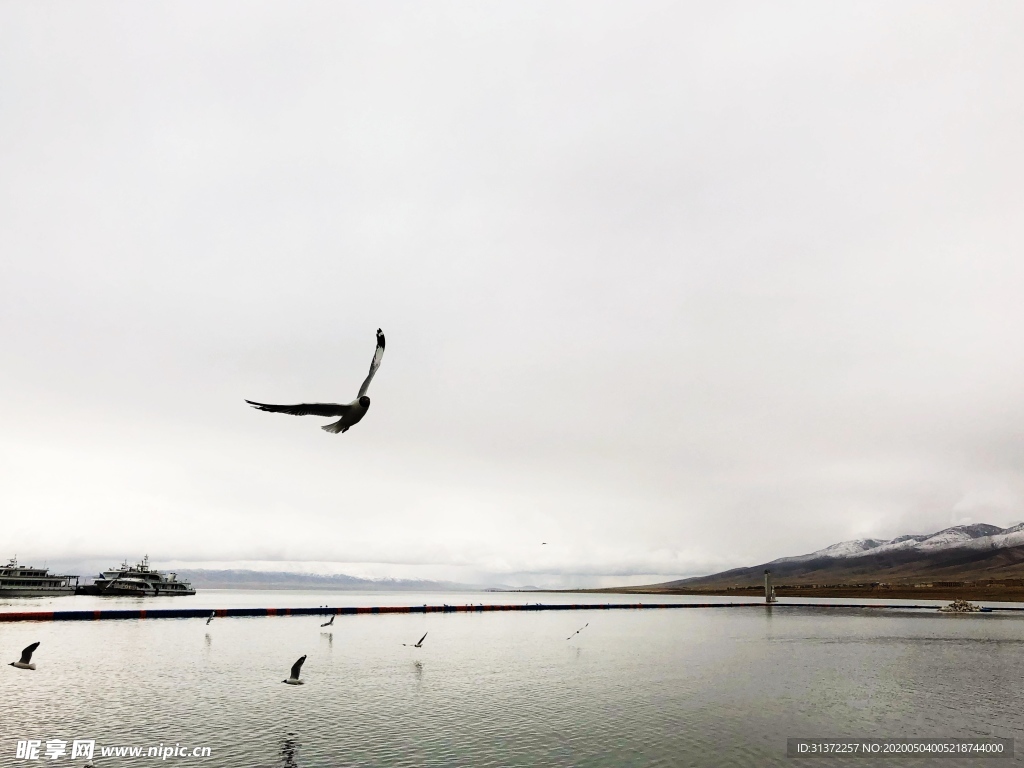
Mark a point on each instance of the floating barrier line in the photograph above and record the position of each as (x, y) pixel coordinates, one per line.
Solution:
(203, 613)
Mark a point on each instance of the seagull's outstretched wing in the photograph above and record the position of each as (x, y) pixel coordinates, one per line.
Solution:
(422, 639)
(297, 668)
(304, 409)
(26, 655)
(377, 355)
(570, 637)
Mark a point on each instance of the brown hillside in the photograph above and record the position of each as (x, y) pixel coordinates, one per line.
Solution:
(907, 567)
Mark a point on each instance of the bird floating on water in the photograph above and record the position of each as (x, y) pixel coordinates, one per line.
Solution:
(328, 623)
(417, 644)
(25, 662)
(570, 637)
(293, 678)
(351, 413)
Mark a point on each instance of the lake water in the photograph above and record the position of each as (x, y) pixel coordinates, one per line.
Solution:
(713, 687)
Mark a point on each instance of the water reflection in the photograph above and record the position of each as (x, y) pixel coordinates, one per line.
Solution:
(289, 750)
(507, 689)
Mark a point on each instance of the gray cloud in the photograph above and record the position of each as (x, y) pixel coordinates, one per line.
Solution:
(677, 287)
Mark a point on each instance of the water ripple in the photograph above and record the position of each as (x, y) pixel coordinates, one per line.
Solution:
(645, 688)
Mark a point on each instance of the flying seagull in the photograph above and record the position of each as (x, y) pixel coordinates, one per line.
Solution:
(210, 618)
(25, 662)
(350, 413)
(293, 679)
(328, 623)
(419, 644)
(570, 637)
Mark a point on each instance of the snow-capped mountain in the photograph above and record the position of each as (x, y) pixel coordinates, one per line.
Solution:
(959, 553)
(979, 536)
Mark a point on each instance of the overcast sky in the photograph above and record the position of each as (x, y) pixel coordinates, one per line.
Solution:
(673, 287)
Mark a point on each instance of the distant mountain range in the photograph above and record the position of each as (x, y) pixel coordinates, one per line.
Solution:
(239, 579)
(963, 552)
(979, 536)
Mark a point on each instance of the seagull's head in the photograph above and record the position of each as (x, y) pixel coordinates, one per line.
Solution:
(364, 401)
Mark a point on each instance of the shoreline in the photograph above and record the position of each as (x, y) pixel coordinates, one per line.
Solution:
(995, 593)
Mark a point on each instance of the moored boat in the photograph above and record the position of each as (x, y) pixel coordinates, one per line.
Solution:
(961, 606)
(29, 581)
(137, 581)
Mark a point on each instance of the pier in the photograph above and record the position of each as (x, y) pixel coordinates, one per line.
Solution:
(203, 613)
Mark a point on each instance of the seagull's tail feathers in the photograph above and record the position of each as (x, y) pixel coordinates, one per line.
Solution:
(335, 427)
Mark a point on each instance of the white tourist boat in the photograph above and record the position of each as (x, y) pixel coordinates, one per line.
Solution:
(137, 581)
(28, 581)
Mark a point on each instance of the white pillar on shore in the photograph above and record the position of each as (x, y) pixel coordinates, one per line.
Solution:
(769, 590)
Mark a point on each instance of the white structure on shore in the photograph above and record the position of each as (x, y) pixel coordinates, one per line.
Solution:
(769, 590)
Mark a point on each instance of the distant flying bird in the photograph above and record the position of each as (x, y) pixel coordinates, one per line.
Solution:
(328, 623)
(570, 637)
(351, 413)
(212, 614)
(25, 662)
(419, 644)
(293, 679)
